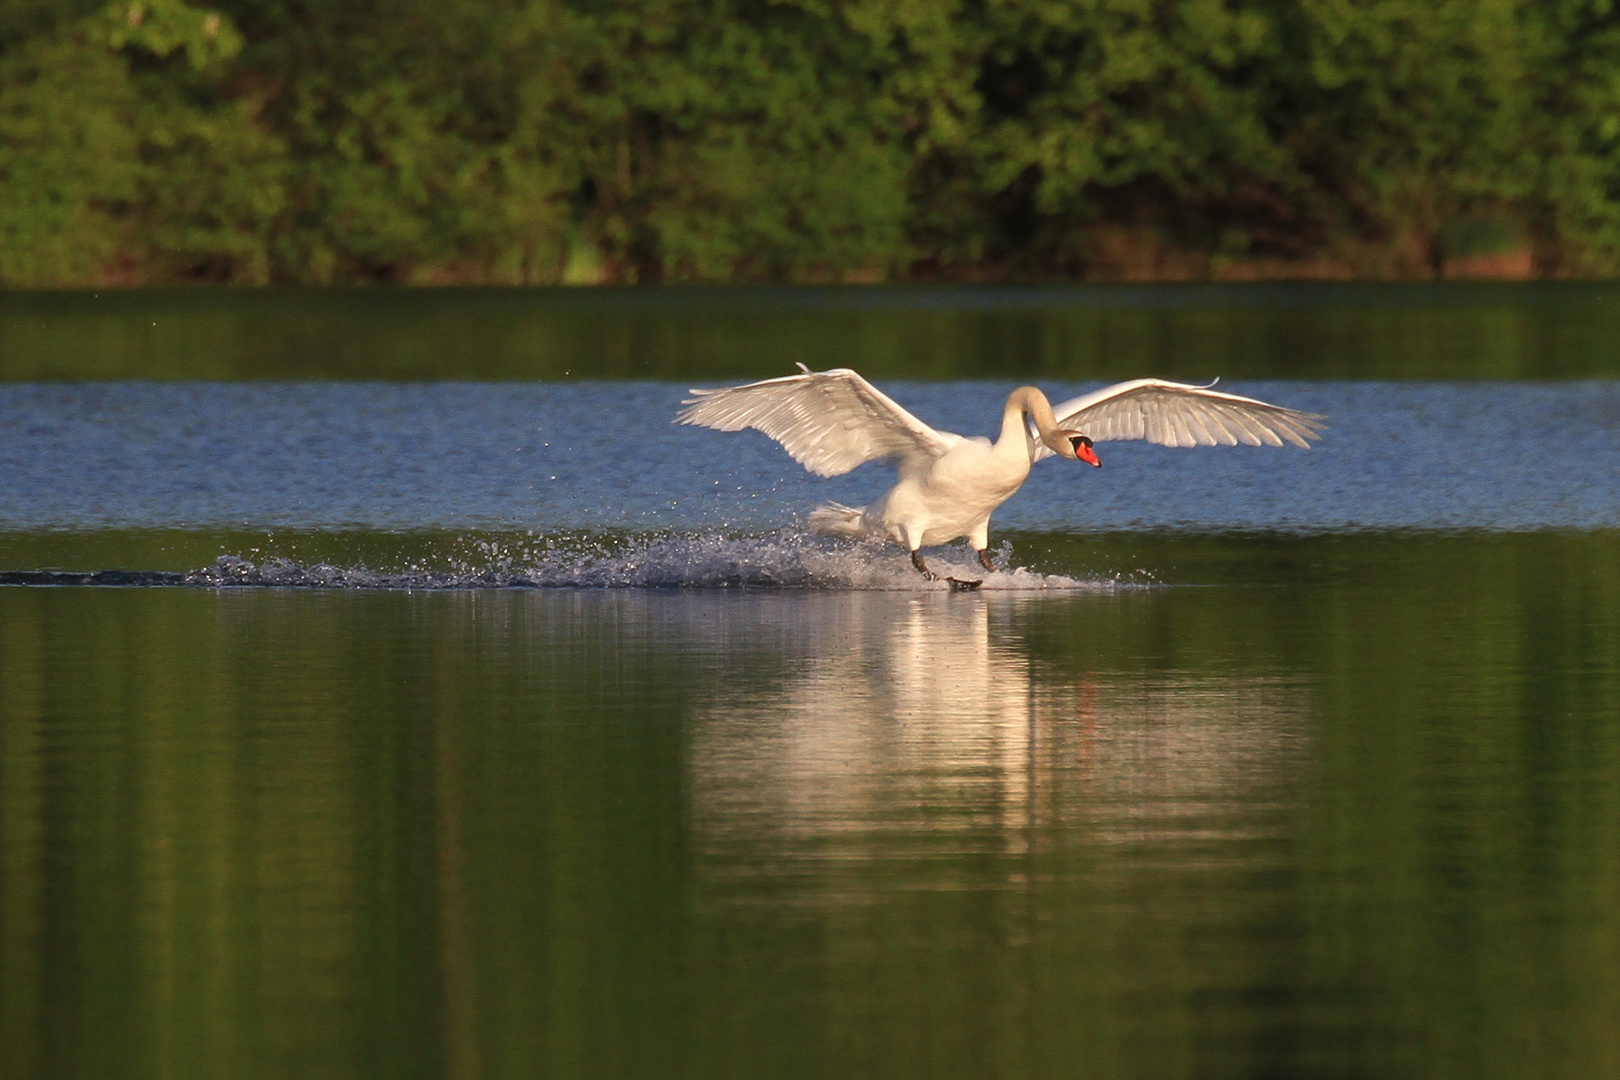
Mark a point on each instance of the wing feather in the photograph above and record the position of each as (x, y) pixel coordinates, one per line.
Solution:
(1259, 434)
(1242, 433)
(828, 421)
(1202, 424)
(1178, 414)
(1219, 425)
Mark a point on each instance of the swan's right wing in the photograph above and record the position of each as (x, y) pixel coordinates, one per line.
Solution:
(828, 421)
(1176, 414)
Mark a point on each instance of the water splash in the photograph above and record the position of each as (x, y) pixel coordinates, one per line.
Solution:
(780, 560)
(680, 560)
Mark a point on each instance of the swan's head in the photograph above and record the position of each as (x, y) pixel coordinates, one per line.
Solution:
(1079, 448)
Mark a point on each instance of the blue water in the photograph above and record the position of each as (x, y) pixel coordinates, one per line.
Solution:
(584, 456)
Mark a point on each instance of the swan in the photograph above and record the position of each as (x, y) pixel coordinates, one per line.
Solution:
(832, 421)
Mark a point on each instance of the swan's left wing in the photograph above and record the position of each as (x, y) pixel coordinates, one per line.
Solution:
(829, 421)
(1177, 414)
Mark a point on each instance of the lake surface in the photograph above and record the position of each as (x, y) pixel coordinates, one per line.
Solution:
(1270, 331)
(494, 728)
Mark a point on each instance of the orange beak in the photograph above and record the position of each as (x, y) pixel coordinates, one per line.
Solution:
(1087, 454)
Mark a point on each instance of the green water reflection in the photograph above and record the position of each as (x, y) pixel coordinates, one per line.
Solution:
(1349, 807)
(1440, 331)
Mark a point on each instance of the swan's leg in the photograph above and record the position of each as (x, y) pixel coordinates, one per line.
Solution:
(978, 539)
(957, 584)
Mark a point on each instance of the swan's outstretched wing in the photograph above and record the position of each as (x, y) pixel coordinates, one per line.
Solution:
(1176, 414)
(829, 421)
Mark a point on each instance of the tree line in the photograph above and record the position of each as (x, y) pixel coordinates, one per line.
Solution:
(543, 141)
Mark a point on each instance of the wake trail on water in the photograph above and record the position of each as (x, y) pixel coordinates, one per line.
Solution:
(678, 561)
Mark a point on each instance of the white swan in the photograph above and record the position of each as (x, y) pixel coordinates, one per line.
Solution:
(832, 421)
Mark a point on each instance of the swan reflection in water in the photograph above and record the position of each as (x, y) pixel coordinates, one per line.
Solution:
(931, 725)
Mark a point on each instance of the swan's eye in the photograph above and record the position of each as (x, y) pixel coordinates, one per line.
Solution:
(1079, 441)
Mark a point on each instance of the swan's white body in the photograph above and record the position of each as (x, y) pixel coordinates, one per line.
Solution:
(943, 498)
(832, 421)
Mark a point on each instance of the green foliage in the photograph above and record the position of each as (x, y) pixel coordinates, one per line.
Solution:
(67, 160)
(550, 140)
(162, 27)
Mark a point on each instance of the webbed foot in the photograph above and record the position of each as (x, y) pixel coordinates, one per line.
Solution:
(984, 560)
(958, 585)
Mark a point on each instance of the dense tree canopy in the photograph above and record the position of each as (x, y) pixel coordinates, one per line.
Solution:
(647, 140)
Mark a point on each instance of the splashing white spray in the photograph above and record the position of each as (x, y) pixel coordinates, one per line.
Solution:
(783, 560)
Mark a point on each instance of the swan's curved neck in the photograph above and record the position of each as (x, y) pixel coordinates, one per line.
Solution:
(1030, 402)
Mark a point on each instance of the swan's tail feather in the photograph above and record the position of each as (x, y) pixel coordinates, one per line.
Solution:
(836, 519)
